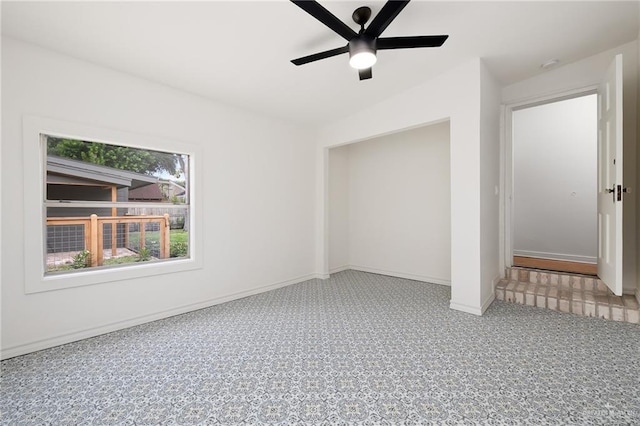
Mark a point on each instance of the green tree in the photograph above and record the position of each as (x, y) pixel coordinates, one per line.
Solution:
(118, 157)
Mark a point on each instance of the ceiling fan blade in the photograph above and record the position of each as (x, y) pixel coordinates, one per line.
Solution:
(320, 55)
(365, 74)
(386, 15)
(316, 10)
(411, 42)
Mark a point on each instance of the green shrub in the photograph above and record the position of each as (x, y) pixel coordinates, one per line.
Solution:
(81, 260)
(179, 249)
(144, 254)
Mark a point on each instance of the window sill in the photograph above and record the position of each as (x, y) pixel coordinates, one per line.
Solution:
(98, 276)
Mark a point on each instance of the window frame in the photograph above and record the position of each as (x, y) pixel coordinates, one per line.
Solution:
(35, 204)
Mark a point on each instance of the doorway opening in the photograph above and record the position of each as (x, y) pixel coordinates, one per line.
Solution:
(555, 178)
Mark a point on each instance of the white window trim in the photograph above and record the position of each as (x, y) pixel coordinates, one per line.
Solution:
(34, 160)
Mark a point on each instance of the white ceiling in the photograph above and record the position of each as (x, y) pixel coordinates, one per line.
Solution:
(238, 52)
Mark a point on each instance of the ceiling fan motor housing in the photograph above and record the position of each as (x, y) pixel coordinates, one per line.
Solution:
(362, 43)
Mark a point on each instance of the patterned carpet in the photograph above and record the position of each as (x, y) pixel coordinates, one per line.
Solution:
(356, 349)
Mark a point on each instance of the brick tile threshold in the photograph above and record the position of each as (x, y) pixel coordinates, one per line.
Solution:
(578, 294)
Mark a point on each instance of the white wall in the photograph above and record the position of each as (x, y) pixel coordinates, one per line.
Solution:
(555, 180)
(454, 95)
(338, 209)
(398, 204)
(257, 197)
(489, 185)
(638, 162)
(1, 210)
(588, 73)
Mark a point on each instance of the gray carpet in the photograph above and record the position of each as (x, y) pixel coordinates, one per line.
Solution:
(356, 349)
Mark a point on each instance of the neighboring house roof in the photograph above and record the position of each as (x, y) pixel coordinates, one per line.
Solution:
(173, 184)
(180, 187)
(74, 171)
(173, 189)
(146, 193)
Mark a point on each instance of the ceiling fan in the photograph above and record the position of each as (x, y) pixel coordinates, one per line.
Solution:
(363, 45)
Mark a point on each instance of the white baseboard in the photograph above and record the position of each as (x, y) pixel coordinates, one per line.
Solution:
(556, 256)
(339, 269)
(465, 308)
(488, 301)
(494, 283)
(485, 305)
(397, 274)
(475, 310)
(62, 339)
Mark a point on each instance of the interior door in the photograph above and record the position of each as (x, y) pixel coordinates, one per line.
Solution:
(610, 177)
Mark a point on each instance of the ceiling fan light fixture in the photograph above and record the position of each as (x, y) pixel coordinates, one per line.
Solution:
(363, 60)
(362, 53)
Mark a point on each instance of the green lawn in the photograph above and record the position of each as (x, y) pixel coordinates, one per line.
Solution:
(179, 236)
(110, 261)
(120, 260)
(175, 235)
(59, 268)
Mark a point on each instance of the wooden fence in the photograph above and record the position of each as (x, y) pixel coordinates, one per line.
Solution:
(94, 232)
(178, 217)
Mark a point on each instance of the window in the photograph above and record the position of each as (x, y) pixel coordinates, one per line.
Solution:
(113, 205)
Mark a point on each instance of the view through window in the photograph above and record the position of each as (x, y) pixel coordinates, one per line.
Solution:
(113, 206)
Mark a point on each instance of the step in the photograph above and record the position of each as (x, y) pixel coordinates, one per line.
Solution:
(571, 293)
